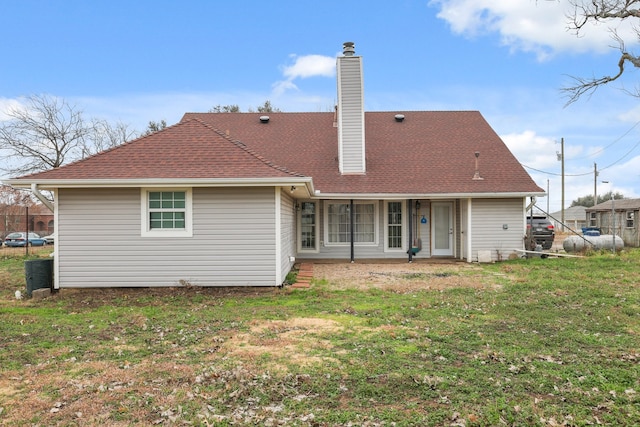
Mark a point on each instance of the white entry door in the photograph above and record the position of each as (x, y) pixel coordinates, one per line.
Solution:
(442, 228)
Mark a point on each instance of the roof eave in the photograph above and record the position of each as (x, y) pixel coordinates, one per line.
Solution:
(49, 184)
(432, 196)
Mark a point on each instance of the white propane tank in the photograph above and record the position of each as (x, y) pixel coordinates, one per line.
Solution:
(580, 243)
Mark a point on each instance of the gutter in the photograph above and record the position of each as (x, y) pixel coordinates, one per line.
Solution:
(40, 196)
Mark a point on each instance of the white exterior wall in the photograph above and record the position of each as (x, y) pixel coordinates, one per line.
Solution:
(100, 244)
(287, 234)
(424, 230)
(489, 217)
(351, 138)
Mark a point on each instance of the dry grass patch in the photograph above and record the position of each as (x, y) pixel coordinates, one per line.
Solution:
(405, 277)
(283, 342)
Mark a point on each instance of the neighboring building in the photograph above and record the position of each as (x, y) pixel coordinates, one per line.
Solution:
(17, 218)
(574, 219)
(623, 224)
(233, 199)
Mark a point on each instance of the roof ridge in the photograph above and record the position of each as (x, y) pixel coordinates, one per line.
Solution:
(246, 149)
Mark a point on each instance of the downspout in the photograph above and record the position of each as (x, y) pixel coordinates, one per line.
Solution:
(351, 219)
(40, 196)
(410, 215)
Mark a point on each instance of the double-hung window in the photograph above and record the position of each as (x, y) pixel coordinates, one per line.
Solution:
(166, 213)
(338, 220)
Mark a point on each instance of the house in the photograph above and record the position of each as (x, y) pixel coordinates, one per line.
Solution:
(234, 199)
(619, 217)
(574, 219)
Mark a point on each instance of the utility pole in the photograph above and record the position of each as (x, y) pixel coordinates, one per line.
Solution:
(561, 159)
(595, 184)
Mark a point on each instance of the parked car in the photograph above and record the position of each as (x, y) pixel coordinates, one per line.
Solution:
(543, 232)
(20, 239)
(50, 239)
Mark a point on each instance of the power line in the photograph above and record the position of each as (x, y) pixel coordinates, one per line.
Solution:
(590, 155)
(587, 173)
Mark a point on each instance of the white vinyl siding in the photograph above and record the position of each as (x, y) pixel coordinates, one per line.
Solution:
(497, 225)
(351, 138)
(233, 242)
(287, 235)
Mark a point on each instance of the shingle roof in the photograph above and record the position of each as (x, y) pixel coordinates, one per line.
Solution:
(427, 153)
(189, 149)
(620, 204)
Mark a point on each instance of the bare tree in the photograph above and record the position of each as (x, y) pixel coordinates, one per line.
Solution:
(47, 132)
(43, 134)
(104, 136)
(603, 11)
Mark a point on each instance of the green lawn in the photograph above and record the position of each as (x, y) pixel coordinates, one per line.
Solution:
(555, 342)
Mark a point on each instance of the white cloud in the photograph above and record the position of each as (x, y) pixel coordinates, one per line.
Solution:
(310, 66)
(304, 67)
(541, 27)
(533, 150)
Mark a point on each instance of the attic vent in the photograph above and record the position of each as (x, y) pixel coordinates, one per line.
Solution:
(264, 119)
(476, 175)
(348, 48)
(399, 117)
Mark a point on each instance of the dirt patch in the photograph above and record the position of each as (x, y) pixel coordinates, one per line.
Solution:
(404, 277)
(98, 297)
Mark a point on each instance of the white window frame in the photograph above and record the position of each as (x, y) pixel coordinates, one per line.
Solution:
(328, 203)
(403, 226)
(317, 227)
(147, 231)
(593, 219)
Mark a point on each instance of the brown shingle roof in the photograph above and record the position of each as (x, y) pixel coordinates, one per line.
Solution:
(427, 153)
(190, 149)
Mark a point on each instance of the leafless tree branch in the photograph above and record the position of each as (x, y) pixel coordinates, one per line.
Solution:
(600, 11)
(47, 132)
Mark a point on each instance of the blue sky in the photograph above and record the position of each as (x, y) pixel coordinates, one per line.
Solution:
(136, 61)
